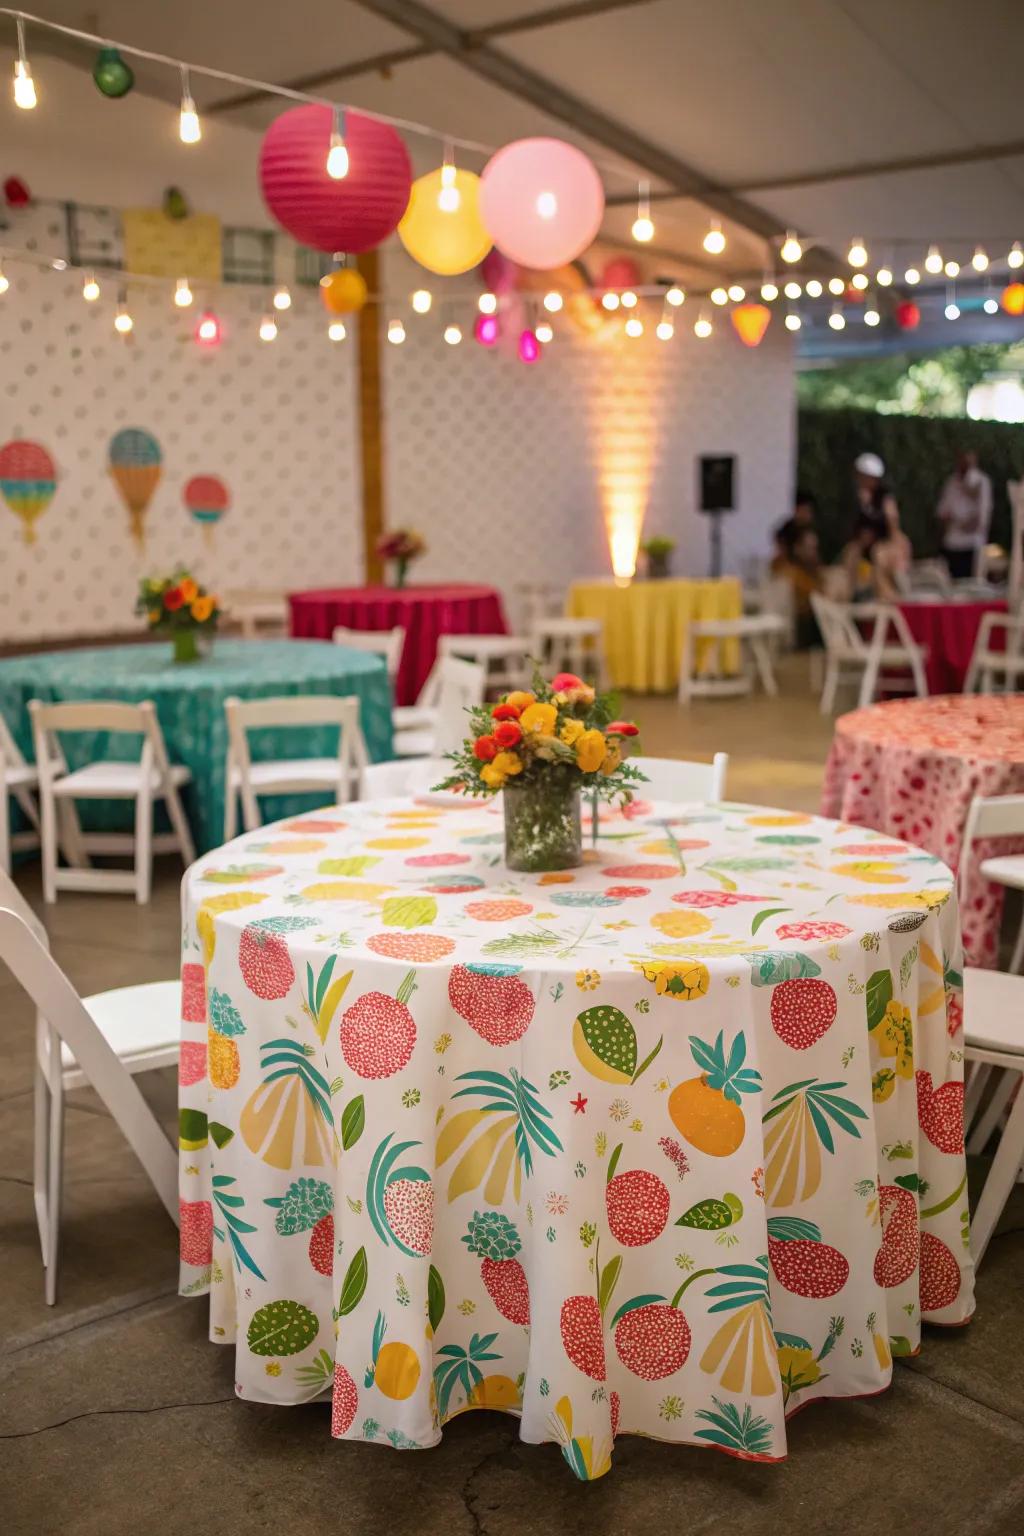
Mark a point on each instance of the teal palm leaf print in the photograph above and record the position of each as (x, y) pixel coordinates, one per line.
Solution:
(229, 1206)
(461, 1368)
(506, 1093)
(748, 1433)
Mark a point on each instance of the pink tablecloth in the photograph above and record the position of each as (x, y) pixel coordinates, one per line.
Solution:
(910, 768)
(425, 613)
(949, 630)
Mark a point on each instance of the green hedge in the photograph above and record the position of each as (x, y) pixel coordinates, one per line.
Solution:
(919, 452)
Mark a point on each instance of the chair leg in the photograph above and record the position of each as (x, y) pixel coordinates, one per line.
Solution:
(685, 667)
(179, 821)
(763, 663)
(1001, 1176)
(1017, 959)
(143, 848)
(828, 692)
(230, 812)
(55, 1175)
(991, 1114)
(979, 1075)
(5, 829)
(920, 680)
(251, 820)
(40, 1160)
(48, 838)
(71, 835)
(869, 682)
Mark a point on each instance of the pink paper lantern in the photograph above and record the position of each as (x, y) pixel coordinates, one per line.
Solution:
(353, 214)
(487, 330)
(542, 202)
(620, 272)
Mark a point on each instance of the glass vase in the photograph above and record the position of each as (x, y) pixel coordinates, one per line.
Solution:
(184, 645)
(542, 822)
(401, 571)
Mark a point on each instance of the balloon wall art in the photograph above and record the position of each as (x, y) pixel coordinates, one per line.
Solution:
(207, 499)
(28, 479)
(136, 465)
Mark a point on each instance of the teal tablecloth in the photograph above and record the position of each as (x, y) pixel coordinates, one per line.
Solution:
(189, 701)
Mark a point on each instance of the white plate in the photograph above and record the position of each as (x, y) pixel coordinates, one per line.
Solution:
(451, 797)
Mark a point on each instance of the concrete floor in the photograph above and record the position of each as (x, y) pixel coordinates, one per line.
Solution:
(117, 1415)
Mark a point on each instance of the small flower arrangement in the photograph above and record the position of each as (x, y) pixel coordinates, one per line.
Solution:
(178, 606)
(658, 550)
(400, 547)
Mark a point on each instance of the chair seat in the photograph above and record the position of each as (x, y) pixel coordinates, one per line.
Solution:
(889, 656)
(994, 1011)
(293, 772)
(16, 774)
(134, 1021)
(413, 743)
(114, 781)
(481, 647)
(1000, 659)
(1007, 870)
(750, 626)
(412, 717)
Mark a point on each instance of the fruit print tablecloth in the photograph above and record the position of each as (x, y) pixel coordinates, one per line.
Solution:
(912, 768)
(671, 1144)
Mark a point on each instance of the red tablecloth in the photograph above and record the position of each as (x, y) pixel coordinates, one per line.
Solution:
(425, 613)
(910, 768)
(949, 630)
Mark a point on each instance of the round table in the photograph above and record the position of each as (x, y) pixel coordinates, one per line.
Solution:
(189, 701)
(645, 622)
(949, 629)
(424, 612)
(911, 767)
(670, 1144)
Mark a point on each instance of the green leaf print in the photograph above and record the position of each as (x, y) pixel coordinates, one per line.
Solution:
(768, 969)
(282, 1328)
(435, 1298)
(353, 1285)
(353, 1121)
(878, 997)
(409, 911)
(750, 1434)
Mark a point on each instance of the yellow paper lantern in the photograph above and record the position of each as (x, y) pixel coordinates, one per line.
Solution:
(750, 321)
(445, 242)
(344, 291)
(1013, 299)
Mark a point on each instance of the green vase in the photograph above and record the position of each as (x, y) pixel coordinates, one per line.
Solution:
(185, 646)
(401, 567)
(542, 821)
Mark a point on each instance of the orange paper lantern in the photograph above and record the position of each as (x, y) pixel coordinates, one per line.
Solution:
(344, 291)
(1013, 299)
(750, 321)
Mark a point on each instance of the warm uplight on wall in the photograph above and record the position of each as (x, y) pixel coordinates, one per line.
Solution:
(624, 518)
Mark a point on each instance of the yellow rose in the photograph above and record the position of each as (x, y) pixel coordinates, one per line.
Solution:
(539, 719)
(201, 609)
(154, 615)
(507, 764)
(492, 774)
(571, 731)
(590, 751)
(188, 589)
(519, 700)
(612, 759)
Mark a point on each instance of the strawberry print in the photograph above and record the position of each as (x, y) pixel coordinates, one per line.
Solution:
(940, 1113)
(493, 1000)
(802, 1010)
(378, 1032)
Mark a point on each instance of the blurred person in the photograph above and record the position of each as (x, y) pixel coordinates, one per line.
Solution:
(804, 515)
(965, 512)
(799, 565)
(856, 562)
(891, 552)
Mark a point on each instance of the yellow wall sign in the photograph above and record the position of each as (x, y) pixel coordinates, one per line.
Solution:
(156, 246)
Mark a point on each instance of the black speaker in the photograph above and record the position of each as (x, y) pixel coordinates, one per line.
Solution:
(715, 488)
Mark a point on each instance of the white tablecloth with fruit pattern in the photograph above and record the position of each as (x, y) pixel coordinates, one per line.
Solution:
(670, 1144)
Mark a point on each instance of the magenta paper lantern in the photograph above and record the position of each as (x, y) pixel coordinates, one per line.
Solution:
(529, 347)
(353, 214)
(497, 273)
(542, 202)
(487, 330)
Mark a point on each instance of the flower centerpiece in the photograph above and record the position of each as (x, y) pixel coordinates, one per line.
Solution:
(658, 551)
(541, 748)
(178, 606)
(398, 548)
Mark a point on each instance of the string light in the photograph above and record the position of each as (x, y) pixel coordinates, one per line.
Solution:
(24, 85)
(675, 296)
(737, 293)
(979, 261)
(837, 320)
(836, 285)
(421, 301)
(664, 330)
(714, 240)
(857, 255)
(769, 291)
(182, 293)
(719, 296)
(90, 289)
(952, 269)
(610, 301)
(952, 310)
(453, 334)
(337, 153)
(634, 326)
(449, 198)
(643, 228)
(629, 299)
(871, 317)
(912, 276)
(1016, 256)
(813, 289)
(547, 207)
(396, 332)
(544, 332)
(487, 303)
(883, 277)
(336, 330)
(933, 261)
(793, 321)
(792, 250)
(268, 328)
(859, 280)
(208, 329)
(552, 303)
(123, 321)
(5, 281)
(189, 131)
(282, 299)
(792, 290)
(991, 306)
(702, 326)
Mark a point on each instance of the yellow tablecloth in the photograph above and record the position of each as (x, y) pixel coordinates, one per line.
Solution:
(644, 625)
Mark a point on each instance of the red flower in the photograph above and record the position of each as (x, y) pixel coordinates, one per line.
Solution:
(505, 712)
(173, 599)
(622, 728)
(508, 733)
(485, 747)
(566, 680)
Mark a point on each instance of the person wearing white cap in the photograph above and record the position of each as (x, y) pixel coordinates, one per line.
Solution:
(892, 552)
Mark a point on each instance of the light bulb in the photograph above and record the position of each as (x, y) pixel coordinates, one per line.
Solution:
(336, 331)
(396, 332)
(793, 322)
(1016, 256)
(719, 296)
(836, 285)
(189, 130)
(991, 306)
(487, 303)
(859, 280)
(702, 327)
(208, 329)
(664, 330)
(883, 277)
(123, 321)
(268, 328)
(610, 300)
(59, 264)
(547, 205)
(792, 290)
(871, 317)
(792, 250)
(282, 299)
(553, 302)
(912, 276)
(5, 281)
(634, 326)
(837, 320)
(421, 301)
(737, 293)
(952, 269)
(337, 153)
(544, 332)
(857, 254)
(643, 229)
(453, 335)
(714, 240)
(449, 198)
(813, 289)
(979, 261)
(675, 297)
(769, 291)
(952, 311)
(629, 299)
(24, 85)
(90, 289)
(933, 261)
(182, 293)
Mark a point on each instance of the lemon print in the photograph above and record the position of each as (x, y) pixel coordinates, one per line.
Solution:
(229, 902)
(292, 845)
(682, 924)
(494, 1392)
(709, 951)
(871, 871)
(790, 819)
(397, 1371)
(392, 843)
(901, 901)
(345, 890)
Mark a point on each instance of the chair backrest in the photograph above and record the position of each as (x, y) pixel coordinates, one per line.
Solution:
(59, 1004)
(836, 623)
(462, 685)
(407, 776)
(500, 649)
(12, 898)
(95, 715)
(379, 642)
(670, 778)
(930, 576)
(537, 601)
(10, 752)
(989, 816)
(256, 612)
(245, 715)
(570, 645)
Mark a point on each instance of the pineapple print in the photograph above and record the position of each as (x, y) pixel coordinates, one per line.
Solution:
(225, 1025)
(496, 1241)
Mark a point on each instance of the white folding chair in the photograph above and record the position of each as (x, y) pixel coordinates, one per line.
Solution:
(990, 667)
(672, 778)
(102, 1040)
(570, 645)
(397, 780)
(849, 655)
(246, 780)
(17, 781)
(536, 601)
(504, 658)
(260, 614)
(754, 633)
(455, 686)
(929, 577)
(153, 778)
(379, 642)
(995, 816)
(994, 1043)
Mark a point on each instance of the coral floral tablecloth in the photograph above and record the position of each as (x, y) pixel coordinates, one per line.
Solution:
(911, 768)
(425, 613)
(670, 1145)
